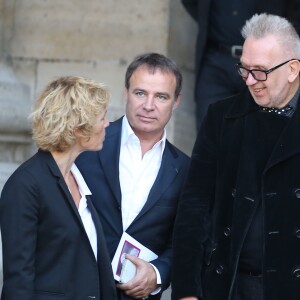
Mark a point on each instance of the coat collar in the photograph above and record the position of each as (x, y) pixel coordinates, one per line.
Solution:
(288, 143)
(242, 104)
(48, 158)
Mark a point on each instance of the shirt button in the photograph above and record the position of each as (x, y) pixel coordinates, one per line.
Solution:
(297, 233)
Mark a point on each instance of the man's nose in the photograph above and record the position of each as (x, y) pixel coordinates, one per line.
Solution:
(149, 103)
(250, 80)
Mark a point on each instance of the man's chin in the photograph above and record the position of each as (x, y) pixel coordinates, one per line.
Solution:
(261, 102)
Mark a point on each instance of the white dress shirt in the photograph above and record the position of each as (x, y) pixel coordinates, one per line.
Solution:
(137, 174)
(83, 209)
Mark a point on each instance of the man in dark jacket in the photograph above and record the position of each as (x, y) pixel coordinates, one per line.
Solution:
(237, 231)
(136, 179)
(219, 43)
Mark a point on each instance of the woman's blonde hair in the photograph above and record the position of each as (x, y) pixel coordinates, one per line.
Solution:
(65, 104)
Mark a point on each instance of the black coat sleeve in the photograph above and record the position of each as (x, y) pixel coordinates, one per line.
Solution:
(192, 223)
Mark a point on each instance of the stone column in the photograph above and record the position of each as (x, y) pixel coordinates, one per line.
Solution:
(14, 102)
(14, 107)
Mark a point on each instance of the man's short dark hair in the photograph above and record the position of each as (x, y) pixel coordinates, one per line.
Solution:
(154, 61)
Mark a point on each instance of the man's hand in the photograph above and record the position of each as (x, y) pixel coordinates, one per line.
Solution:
(144, 281)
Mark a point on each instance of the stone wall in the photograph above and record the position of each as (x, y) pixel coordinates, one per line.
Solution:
(95, 39)
(98, 38)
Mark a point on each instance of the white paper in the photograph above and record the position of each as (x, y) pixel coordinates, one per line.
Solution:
(128, 245)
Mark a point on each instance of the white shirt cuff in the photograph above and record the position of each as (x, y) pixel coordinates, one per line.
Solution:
(158, 281)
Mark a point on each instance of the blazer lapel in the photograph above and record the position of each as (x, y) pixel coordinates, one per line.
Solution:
(107, 284)
(98, 226)
(61, 182)
(109, 158)
(69, 198)
(168, 171)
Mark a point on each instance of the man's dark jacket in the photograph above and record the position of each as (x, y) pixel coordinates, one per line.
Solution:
(218, 205)
(153, 227)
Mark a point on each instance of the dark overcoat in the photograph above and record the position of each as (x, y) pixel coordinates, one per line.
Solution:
(217, 207)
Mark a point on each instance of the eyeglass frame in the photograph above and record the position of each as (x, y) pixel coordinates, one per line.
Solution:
(250, 71)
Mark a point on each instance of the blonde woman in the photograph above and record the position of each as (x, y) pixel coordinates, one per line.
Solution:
(53, 244)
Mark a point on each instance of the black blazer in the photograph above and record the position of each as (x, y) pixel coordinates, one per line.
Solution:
(154, 225)
(46, 251)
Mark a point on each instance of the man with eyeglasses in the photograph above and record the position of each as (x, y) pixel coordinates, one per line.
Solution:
(237, 231)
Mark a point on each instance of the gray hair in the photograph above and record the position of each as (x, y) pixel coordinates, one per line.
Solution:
(262, 25)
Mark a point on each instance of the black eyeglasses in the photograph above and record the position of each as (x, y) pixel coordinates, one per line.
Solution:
(259, 75)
